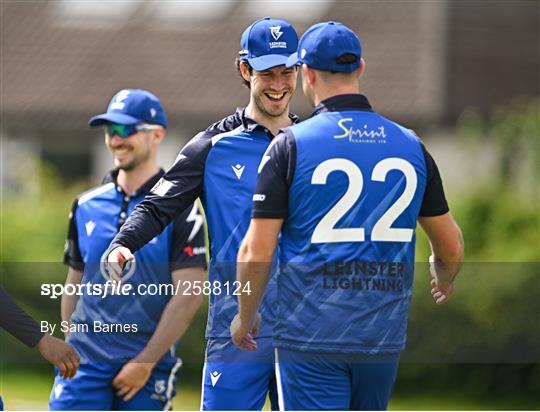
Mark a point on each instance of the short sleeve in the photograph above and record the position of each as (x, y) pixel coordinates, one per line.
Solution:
(72, 253)
(188, 247)
(434, 202)
(275, 176)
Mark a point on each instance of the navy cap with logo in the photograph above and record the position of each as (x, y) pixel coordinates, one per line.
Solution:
(329, 46)
(268, 43)
(132, 106)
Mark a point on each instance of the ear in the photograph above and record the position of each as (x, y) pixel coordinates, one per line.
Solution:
(158, 135)
(309, 74)
(361, 68)
(244, 71)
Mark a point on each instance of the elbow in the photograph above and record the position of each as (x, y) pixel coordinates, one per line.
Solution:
(253, 253)
(243, 253)
(454, 251)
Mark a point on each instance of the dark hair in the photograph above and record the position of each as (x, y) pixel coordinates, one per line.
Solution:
(237, 62)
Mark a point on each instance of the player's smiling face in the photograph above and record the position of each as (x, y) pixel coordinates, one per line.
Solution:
(129, 152)
(272, 89)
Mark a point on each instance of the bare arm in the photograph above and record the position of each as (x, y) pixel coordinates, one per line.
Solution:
(67, 306)
(447, 250)
(176, 317)
(174, 321)
(254, 263)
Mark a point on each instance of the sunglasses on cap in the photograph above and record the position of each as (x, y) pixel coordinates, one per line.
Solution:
(126, 130)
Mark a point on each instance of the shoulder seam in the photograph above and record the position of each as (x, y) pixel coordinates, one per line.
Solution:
(95, 192)
(216, 138)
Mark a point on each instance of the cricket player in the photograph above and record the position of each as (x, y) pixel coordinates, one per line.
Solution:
(219, 165)
(126, 340)
(345, 188)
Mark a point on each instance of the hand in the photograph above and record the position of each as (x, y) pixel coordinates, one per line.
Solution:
(131, 378)
(242, 334)
(117, 259)
(60, 354)
(441, 291)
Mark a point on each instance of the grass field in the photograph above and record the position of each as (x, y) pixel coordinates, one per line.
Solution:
(31, 392)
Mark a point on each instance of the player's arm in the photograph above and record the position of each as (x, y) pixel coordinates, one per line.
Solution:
(256, 253)
(173, 194)
(254, 264)
(444, 235)
(25, 329)
(447, 251)
(174, 321)
(188, 267)
(69, 302)
(74, 261)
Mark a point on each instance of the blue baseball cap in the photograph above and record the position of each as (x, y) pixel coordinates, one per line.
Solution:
(132, 106)
(322, 46)
(268, 43)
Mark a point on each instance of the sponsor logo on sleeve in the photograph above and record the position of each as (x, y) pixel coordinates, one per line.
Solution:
(194, 251)
(162, 187)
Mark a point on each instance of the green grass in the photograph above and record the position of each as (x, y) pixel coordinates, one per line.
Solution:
(27, 391)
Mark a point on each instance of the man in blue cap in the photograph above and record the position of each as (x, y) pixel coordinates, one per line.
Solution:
(126, 340)
(220, 165)
(345, 188)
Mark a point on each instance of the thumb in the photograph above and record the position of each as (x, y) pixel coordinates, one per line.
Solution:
(126, 254)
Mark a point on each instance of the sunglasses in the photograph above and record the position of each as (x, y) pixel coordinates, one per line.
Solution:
(126, 130)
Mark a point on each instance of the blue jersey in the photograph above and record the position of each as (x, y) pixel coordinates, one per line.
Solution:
(350, 185)
(220, 166)
(118, 327)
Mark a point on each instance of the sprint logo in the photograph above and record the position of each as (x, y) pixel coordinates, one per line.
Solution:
(360, 135)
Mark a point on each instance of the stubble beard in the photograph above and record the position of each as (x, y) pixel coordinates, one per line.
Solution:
(261, 107)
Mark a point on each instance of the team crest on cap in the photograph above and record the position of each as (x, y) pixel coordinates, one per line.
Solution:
(118, 103)
(276, 32)
(153, 112)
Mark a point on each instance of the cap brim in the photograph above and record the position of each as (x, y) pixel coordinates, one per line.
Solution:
(293, 60)
(268, 61)
(112, 118)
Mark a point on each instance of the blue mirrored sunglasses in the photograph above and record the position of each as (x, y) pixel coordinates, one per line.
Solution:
(126, 130)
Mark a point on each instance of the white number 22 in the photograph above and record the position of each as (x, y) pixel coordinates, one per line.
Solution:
(325, 231)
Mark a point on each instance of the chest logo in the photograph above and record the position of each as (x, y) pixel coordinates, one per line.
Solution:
(90, 226)
(214, 377)
(238, 169)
